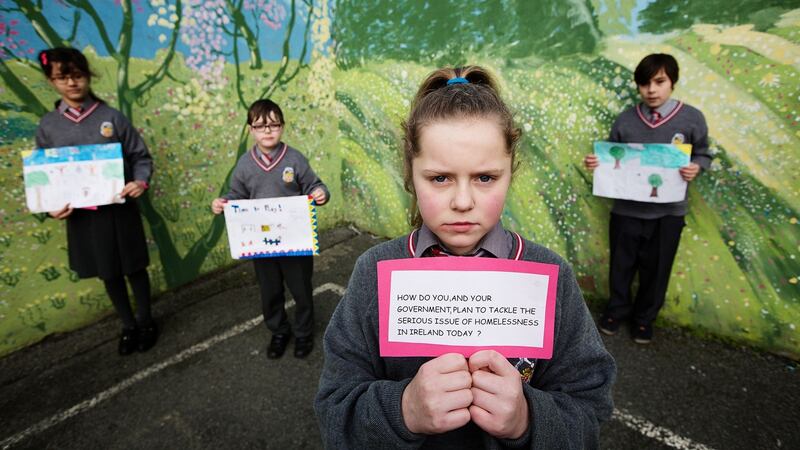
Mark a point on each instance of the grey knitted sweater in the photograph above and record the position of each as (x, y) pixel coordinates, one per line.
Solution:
(687, 125)
(288, 174)
(359, 398)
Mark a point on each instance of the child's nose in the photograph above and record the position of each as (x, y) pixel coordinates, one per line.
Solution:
(462, 198)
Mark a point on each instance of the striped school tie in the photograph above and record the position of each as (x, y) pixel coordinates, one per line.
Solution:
(655, 117)
(437, 250)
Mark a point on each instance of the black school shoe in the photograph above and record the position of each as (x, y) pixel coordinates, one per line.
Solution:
(277, 346)
(129, 341)
(642, 334)
(303, 346)
(608, 325)
(147, 337)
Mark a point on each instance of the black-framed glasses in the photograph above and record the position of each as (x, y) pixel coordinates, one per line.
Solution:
(267, 127)
(63, 79)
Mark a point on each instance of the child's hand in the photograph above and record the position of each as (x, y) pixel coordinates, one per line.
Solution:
(62, 213)
(498, 405)
(133, 189)
(319, 196)
(218, 205)
(437, 398)
(690, 172)
(590, 162)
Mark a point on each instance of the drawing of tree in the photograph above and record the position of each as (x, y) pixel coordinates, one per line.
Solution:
(618, 153)
(655, 181)
(35, 180)
(113, 171)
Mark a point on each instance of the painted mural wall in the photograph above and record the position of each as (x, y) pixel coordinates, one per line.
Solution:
(344, 72)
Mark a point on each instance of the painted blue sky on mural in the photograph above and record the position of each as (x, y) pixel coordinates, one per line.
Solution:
(147, 38)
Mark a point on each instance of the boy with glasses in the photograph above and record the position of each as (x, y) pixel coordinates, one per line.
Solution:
(273, 169)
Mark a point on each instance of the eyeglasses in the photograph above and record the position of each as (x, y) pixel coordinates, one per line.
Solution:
(62, 79)
(267, 127)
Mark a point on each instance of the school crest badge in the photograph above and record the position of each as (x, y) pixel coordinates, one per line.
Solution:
(107, 129)
(288, 175)
(678, 139)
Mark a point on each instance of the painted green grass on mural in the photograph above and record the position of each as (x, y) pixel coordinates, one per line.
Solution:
(774, 85)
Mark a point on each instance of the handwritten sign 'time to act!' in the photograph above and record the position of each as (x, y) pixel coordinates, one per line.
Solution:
(433, 306)
(270, 227)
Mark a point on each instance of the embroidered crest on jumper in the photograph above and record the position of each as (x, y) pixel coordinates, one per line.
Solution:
(288, 175)
(525, 367)
(679, 138)
(107, 129)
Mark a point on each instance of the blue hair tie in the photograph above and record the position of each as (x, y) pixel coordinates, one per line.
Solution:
(458, 80)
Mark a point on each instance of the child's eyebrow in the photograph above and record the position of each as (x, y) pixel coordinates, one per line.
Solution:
(443, 171)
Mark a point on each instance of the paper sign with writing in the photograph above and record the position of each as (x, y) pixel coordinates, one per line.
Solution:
(433, 306)
(641, 172)
(270, 227)
(83, 175)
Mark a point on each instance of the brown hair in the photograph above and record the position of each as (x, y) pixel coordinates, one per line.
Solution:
(437, 100)
(262, 109)
(649, 66)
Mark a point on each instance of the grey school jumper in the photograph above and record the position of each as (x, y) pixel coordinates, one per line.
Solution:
(107, 242)
(688, 123)
(288, 174)
(359, 398)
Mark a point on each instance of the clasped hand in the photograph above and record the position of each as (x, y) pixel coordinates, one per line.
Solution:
(449, 391)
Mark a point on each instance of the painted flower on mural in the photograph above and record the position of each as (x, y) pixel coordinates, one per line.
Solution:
(320, 80)
(11, 46)
(193, 101)
(163, 16)
(137, 4)
(271, 12)
(202, 32)
(770, 80)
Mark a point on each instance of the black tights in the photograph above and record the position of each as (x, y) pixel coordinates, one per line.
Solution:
(118, 292)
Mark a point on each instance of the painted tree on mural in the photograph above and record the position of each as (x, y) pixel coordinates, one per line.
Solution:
(445, 32)
(205, 26)
(665, 15)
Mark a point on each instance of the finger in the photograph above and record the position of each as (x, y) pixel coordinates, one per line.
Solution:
(64, 213)
(482, 398)
(496, 362)
(480, 416)
(451, 401)
(455, 381)
(488, 381)
(449, 362)
(455, 419)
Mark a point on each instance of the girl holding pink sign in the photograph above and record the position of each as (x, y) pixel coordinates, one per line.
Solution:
(460, 152)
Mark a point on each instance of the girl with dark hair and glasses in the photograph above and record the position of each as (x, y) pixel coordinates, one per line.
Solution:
(105, 241)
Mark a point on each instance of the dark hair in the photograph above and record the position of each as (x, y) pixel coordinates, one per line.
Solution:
(437, 101)
(651, 64)
(71, 60)
(263, 109)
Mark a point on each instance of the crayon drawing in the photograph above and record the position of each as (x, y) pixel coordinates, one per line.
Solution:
(641, 172)
(85, 175)
(269, 227)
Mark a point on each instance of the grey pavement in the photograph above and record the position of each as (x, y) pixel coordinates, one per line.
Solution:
(208, 384)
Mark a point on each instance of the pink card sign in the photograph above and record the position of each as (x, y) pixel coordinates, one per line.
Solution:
(433, 306)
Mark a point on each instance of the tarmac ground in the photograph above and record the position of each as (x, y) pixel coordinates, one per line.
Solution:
(208, 383)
